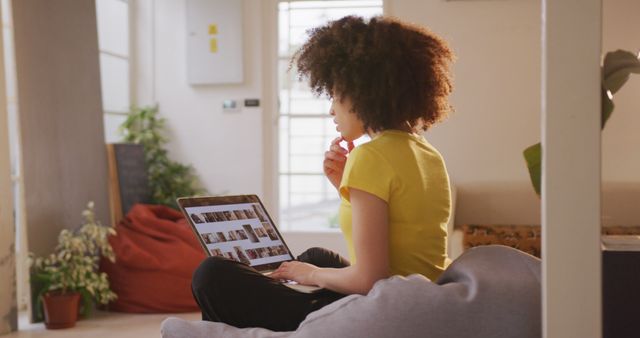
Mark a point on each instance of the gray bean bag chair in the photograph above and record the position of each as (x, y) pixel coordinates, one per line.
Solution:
(488, 292)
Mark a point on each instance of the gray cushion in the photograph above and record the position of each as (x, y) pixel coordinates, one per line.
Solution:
(489, 292)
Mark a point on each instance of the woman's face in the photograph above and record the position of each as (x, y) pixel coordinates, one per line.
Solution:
(347, 122)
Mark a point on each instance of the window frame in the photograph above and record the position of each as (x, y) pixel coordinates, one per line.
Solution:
(280, 173)
(130, 64)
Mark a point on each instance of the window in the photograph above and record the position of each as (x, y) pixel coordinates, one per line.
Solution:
(113, 41)
(307, 200)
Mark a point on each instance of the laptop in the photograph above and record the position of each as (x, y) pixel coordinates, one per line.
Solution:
(239, 228)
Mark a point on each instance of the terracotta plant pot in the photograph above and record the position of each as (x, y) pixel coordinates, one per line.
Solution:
(60, 309)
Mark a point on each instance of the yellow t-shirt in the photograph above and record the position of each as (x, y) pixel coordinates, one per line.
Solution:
(409, 174)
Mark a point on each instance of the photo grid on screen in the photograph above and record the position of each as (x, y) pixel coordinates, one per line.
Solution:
(241, 232)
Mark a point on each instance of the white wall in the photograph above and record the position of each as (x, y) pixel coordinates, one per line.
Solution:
(224, 148)
(496, 96)
(571, 260)
(496, 88)
(620, 139)
(497, 101)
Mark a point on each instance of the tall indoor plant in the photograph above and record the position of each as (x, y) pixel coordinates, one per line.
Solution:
(616, 68)
(71, 273)
(168, 179)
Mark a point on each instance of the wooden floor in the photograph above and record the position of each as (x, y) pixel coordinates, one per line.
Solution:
(102, 325)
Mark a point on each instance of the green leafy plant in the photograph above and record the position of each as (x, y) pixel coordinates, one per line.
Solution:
(73, 266)
(616, 69)
(168, 179)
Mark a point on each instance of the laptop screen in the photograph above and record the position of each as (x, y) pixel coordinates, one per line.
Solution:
(239, 231)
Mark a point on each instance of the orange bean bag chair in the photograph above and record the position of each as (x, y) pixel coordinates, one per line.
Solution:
(156, 254)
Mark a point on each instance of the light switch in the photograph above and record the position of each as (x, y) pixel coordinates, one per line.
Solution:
(252, 102)
(230, 106)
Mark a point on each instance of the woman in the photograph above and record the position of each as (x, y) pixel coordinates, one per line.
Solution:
(389, 80)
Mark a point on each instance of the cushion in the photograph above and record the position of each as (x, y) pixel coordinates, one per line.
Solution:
(488, 292)
(522, 237)
(156, 254)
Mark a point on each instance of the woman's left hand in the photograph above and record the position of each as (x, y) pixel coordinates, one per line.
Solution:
(296, 271)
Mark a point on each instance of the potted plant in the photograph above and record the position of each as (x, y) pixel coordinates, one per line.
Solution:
(71, 273)
(616, 69)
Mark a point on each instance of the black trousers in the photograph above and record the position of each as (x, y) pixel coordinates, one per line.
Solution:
(236, 294)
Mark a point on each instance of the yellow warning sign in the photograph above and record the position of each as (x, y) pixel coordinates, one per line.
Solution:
(213, 29)
(213, 45)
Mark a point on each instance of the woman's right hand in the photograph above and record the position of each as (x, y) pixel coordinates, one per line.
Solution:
(334, 161)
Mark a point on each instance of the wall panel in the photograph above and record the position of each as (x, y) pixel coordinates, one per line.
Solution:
(64, 156)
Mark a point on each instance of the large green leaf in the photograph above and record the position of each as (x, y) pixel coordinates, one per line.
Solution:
(607, 108)
(533, 156)
(616, 69)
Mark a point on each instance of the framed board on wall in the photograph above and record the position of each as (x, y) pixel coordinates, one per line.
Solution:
(128, 178)
(214, 41)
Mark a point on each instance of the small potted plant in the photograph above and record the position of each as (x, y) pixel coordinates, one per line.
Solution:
(71, 273)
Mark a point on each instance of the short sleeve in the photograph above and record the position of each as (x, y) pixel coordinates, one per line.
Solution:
(367, 170)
